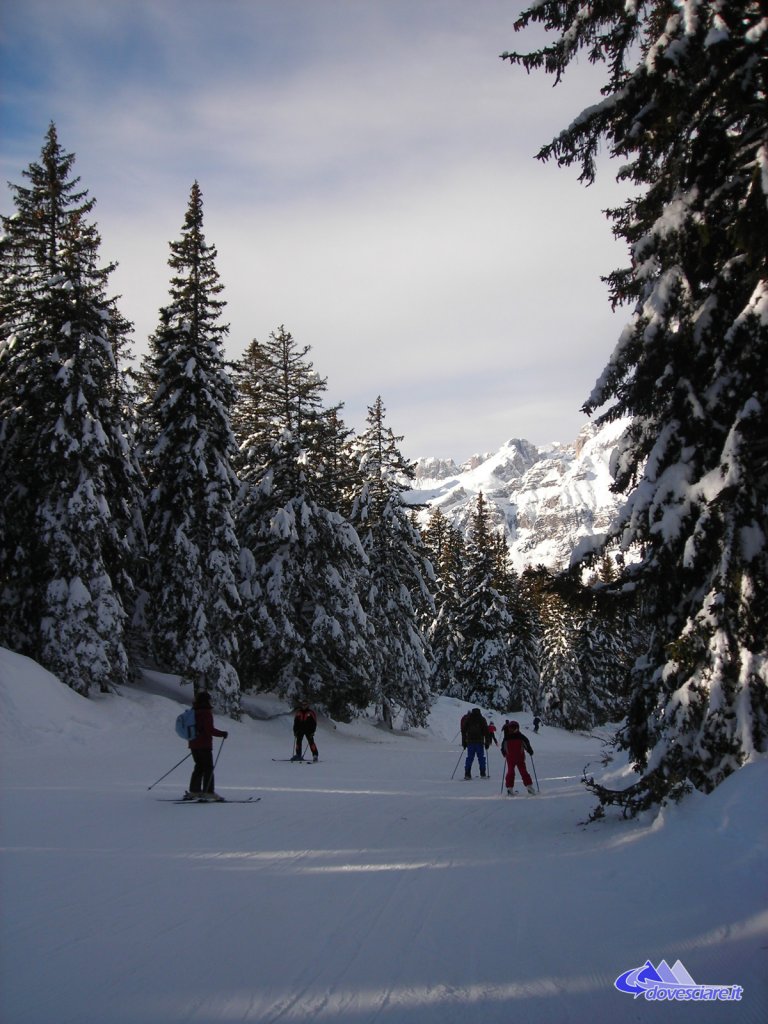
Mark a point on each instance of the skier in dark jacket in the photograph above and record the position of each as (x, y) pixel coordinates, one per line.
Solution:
(304, 725)
(475, 739)
(514, 747)
(201, 784)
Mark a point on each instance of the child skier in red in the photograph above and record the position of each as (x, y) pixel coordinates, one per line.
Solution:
(514, 747)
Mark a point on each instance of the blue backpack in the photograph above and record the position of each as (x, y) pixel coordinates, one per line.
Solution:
(185, 725)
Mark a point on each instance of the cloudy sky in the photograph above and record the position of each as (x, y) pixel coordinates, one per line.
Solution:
(369, 181)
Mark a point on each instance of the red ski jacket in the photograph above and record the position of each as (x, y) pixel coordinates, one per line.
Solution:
(205, 730)
(514, 743)
(304, 722)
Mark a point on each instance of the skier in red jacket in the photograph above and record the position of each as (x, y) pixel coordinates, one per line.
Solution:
(514, 747)
(201, 784)
(304, 725)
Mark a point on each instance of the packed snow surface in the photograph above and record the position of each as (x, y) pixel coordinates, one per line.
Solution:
(371, 886)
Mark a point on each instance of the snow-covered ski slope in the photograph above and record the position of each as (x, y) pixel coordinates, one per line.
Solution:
(367, 888)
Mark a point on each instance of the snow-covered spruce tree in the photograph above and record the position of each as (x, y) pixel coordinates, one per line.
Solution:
(69, 499)
(305, 632)
(527, 656)
(447, 552)
(685, 108)
(610, 639)
(563, 689)
(399, 591)
(525, 645)
(484, 621)
(600, 648)
(188, 453)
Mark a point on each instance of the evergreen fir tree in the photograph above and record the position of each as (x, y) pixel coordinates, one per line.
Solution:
(484, 621)
(600, 649)
(447, 552)
(684, 108)
(528, 634)
(563, 687)
(189, 451)
(69, 509)
(305, 632)
(524, 650)
(609, 642)
(399, 591)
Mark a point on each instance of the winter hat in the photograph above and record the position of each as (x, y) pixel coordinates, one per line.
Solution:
(514, 725)
(203, 699)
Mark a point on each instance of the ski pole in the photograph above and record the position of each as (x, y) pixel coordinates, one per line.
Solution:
(457, 763)
(208, 779)
(170, 770)
(533, 765)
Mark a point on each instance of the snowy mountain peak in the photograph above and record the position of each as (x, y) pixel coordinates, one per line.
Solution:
(544, 499)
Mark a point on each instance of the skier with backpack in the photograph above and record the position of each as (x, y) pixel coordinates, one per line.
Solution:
(201, 784)
(304, 725)
(514, 747)
(475, 739)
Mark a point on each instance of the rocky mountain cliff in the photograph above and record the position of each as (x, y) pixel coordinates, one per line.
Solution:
(544, 499)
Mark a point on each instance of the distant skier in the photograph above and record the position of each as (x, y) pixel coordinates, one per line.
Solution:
(201, 785)
(304, 725)
(514, 747)
(536, 723)
(475, 739)
(492, 734)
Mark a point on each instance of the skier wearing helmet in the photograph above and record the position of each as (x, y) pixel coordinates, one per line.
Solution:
(514, 747)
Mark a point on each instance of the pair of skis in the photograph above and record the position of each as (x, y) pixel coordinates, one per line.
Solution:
(222, 800)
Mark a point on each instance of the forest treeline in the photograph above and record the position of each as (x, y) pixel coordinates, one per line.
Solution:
(220, 520)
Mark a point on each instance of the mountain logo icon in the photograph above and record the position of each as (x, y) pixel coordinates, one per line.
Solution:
(674, 984)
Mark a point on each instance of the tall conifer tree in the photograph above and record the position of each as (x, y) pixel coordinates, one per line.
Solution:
(194, 554)
(484, 622)
(69, 501)
(447, 551)
(685, 109)
(305, 631)
(399, 590)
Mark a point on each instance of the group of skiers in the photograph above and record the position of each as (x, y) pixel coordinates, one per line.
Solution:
(201, 784)
(477, 736)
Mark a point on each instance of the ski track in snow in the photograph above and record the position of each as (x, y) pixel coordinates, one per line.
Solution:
(371, 889)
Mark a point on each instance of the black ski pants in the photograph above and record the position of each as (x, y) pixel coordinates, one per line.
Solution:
(202, 773)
